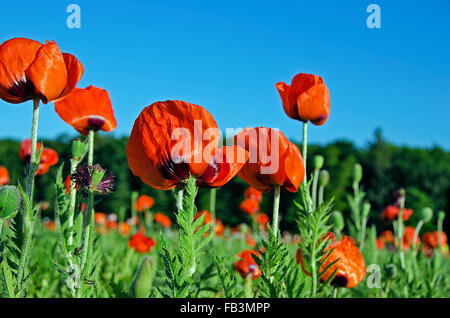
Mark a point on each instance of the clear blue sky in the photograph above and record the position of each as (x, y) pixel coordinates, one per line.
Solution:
(228, 55)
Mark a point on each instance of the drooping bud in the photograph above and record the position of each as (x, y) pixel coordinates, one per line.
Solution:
(10, 201)
(338, 220)
(324, 178)
(318, 162)
(357, 173)
(365, 209)
(426, 214)
(143, 281)
(441, 215)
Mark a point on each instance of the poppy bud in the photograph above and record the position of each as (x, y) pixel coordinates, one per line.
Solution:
(441, 215)
(143, 281)
(324, 177)
(338, 220)
(365, 209)
(426, 214)
(9, 202)
(391, 271)
(357, 173)
(79, 148)
(318, 162)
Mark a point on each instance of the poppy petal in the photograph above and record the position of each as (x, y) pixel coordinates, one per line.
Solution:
(75, 71)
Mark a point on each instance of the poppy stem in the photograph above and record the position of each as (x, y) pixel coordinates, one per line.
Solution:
(248, 286)
(305, 150)
(276, 207)
(400, 230)
(212, 205)
(33, 162)
(90, 161)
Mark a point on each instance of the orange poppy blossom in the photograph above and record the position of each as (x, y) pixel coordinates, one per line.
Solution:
(49, 157)
(219, 229)
(250, 240)
(162, 219)
(4, 176)
(87, 109)
(247, 265)
(249, 206)
(285, 167)
(141, 243)
(144, 202)
(434, 239)
(306, 99)
(262, 219)
(408, 238)
(379, 243)
(252, 193)
(124, 228)
(160, 150)
(111, 225)
(208, 217)
(387, 236)
(391, 213)
(100, 218)
(351, 267)
(30, 70)
(50, 225)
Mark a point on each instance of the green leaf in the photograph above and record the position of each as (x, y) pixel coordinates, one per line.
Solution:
(10, 201)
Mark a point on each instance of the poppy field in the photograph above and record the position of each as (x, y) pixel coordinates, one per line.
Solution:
(185, 248)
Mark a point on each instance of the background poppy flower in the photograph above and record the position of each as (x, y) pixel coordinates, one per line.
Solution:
(391, 213)
(144, 202)
(408, 237)
(100, 218)
(434, 239)
(87, 109)
(162, 219)
(219, 229)
(164, 162)
(379, 243)
(249, 206)
(351, 267)
(285, 167)
(306, 99)
(262, 219)
(208, 217)
(141, 243)
(247, 265)
(30, 70)
(4, 176)
(49, 157)
(124, 228)
(252, 193)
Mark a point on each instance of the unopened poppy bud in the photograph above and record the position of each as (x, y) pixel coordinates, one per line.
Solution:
(365, 209)
(79, 148)
(338, 220)
(318, 162)
(10, 201)
(357, 173)
(324, 178)
(143, 281)
(391, 271)
(426, 214)
(441, 215)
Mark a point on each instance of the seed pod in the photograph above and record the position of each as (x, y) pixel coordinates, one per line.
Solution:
(143, 281)
(338, 220)
(365, 209)
(9, 202)
(357, 173)
(318, 162)
(324, 178)
(426, 214)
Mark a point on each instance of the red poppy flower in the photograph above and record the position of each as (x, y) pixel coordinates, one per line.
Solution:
(379, 243)
(141, 243)
(124, 228)
(50, 225)
(247, 265)
(250, 240)
(408, 237)
(252, 193)
(31, 70)
(391, 213)
(208, 217)
(144, 202)
(219, 229)
(249, 206)
(112, 225)
(49, 157)
(351, 267)
(262, 219)
(434, 239)
(172, 140)
(87, 109)
(273, 160)
(387, 236)
(4, 176)
(100, 218)
(162, 219)
(306, 99)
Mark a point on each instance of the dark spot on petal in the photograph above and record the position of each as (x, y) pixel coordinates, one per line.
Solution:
(175, 170)
(23, 89)
(96, 122)
(339, 281)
